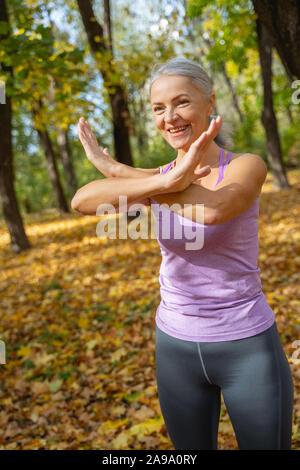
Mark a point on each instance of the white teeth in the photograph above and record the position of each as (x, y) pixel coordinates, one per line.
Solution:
(178, 129)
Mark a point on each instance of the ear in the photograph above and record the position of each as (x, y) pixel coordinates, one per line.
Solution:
(211, 102)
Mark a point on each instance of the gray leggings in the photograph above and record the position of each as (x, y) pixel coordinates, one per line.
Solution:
(256, 382)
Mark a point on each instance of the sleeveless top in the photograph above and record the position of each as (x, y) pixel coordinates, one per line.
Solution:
(212, 293)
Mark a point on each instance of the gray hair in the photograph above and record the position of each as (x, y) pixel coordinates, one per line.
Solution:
(197, 74)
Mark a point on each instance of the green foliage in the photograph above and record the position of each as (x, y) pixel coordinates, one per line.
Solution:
(158, 153)
(65, 76)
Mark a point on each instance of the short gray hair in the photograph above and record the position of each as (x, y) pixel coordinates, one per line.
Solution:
(188, 68)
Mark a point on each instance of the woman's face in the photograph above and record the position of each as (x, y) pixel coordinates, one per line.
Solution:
(177, 102)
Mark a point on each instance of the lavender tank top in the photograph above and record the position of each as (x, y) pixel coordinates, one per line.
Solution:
(213, 293)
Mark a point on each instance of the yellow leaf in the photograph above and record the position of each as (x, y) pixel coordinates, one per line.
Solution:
(83, 322)
(91, 344)
(122, 441)
(7, 401)
(115, 356)
(24, 351)
(19, 31)
(108, 425)
(34, 416)
(147, 427)
(42, 359)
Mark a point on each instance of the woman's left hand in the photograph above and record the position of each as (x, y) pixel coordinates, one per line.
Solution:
(185, 172)
(99, 157)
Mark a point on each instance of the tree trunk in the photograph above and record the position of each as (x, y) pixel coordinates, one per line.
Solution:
(101, 46)
(268, 116)
(107, 33)
(62, 136)
(282, 20)
(232, 91)
(46, 145)
(18, 238)
(66, 159)
(140, 131)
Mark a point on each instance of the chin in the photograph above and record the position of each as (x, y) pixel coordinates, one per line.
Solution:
(179, 146)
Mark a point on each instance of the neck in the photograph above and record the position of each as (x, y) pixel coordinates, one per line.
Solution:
(212, 154)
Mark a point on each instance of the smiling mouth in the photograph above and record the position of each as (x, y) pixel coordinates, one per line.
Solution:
(178, 130)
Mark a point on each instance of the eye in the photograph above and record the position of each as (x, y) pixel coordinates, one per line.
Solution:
(157, 108)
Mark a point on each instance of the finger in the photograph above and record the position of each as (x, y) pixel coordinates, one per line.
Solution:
(215, 127)
(200, 141)
(211, 132)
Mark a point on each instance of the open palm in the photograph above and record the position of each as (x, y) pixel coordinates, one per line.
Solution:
(99, 157)
(185, 171)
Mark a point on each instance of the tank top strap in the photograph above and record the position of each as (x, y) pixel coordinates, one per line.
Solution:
(168, 166)
(227, 161)
(221, 166)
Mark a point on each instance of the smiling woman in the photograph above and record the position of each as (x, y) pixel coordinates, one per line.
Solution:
(214, 328)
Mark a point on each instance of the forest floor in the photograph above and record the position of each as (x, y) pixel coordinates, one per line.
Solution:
(78, 321)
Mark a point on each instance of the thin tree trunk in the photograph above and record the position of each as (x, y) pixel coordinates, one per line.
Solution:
(18, 238)
(102, 49)
(66, 159)
(47, 147)
(232, 91)
(62, 135)
(268, 116)
(138, 108)
(107, 33)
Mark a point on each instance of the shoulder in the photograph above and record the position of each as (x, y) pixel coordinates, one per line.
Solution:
(247, 164)
(244, 176)
(240, 187)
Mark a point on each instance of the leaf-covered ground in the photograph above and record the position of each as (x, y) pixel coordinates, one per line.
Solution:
(78, 320)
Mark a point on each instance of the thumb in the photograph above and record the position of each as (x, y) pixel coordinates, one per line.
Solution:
(203, 171)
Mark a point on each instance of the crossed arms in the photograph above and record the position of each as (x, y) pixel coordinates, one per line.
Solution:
(234, 195)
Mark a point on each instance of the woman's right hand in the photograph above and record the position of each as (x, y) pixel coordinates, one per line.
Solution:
(99, 157)
(186, 171)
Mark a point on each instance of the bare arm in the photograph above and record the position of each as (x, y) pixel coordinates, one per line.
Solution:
(107, 191)
(120, 170)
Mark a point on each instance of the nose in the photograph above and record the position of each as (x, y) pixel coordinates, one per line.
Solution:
(170, 116)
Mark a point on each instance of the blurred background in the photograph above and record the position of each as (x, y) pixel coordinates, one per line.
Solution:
(77, 312)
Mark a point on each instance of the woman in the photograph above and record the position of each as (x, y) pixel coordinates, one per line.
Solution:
(214, 328)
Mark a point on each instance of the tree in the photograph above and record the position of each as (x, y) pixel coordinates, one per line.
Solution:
(46, 144)
(228, 17)
(281, 18)
(10, 207)
(268, 115)
(39, 61)
(102, 47)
